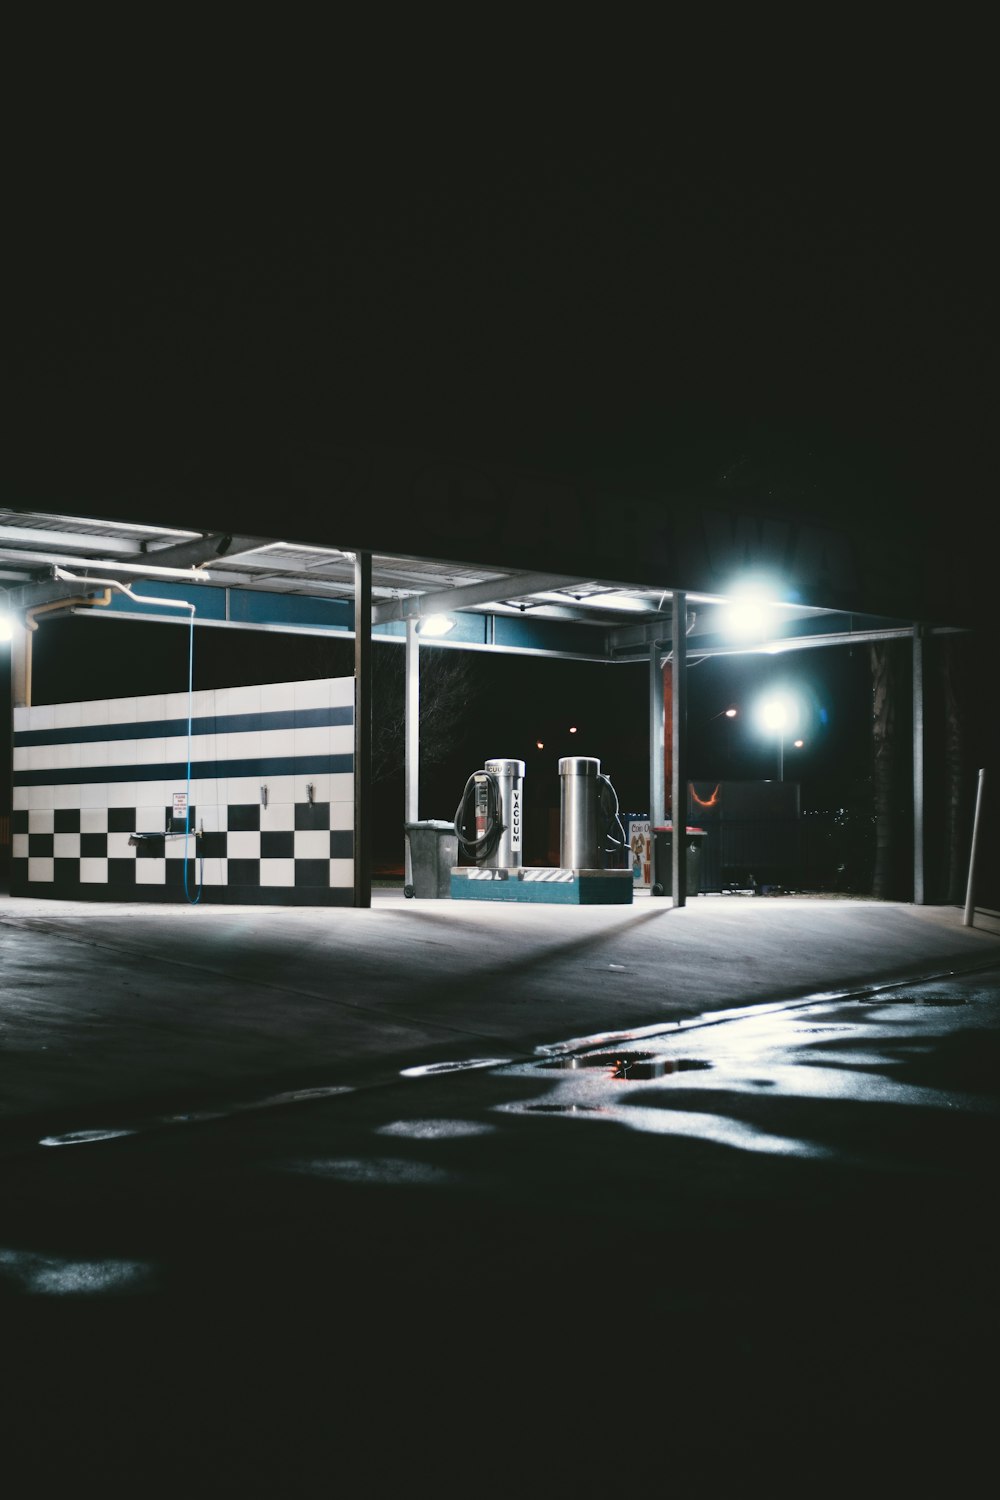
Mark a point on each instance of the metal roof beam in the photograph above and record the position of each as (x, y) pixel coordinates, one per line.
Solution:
(492, 591)
(190, 554)
(203, 549)
(63, 541)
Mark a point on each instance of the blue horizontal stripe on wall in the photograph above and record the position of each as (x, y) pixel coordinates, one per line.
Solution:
(147, 729)
(205, 770)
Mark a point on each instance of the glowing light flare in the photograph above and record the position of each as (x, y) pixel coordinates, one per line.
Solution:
(746, 621)
(749, 612)
(778, 714)
(436, 625)
(775, 714)
(6, 628)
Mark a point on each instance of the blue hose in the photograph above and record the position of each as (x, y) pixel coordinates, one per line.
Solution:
(192, 900)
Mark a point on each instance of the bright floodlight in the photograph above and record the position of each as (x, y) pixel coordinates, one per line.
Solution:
(775, 714)
(6, 628)
(748, 613)
(746, 619)
(436, 625)
(778, 714)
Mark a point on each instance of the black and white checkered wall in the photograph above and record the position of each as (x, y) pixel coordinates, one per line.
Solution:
(114, 800)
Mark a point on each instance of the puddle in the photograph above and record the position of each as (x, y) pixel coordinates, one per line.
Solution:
(48, 1275)
(563, 1109)
(630, 1064)
(428, 1070)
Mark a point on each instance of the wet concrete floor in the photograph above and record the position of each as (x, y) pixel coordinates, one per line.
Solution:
(497, 1254)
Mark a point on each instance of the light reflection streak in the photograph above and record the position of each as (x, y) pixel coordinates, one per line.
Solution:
(435, 1130)
(48, 1275)
(428, 1070)
(197, 1116)
(380, 1171)
(721, 1131)
(84, 1137)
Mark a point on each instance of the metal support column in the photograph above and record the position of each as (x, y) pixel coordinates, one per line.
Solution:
(363, 729)
(411, 773)
(678, 790)
(657, 790)
(919, 896)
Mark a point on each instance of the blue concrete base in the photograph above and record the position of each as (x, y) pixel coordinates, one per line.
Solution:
(565, 887)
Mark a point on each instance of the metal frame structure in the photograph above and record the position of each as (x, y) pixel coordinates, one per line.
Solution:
(55, 563)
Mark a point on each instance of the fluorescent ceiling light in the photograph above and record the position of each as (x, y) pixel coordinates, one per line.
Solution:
(144, 570)
(435, 625)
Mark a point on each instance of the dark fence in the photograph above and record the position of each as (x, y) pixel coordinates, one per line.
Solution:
(756, 837)
(817, 852)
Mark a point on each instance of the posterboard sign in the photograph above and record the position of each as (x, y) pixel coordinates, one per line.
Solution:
(640, 842)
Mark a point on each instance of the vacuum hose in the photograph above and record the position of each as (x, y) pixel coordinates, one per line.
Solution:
(477, 845)
(609, 810)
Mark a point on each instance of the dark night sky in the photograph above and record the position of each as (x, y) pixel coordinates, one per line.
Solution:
(777, 270)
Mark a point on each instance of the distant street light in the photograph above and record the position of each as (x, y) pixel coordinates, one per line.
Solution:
(778, 715)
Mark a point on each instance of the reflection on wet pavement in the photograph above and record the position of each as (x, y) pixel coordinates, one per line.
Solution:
(48, 1275)
(828, 1053)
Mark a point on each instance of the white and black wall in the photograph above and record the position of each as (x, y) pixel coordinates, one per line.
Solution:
(100, 790)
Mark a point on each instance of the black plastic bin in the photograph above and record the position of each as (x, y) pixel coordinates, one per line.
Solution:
(433, 851)
(663, 868)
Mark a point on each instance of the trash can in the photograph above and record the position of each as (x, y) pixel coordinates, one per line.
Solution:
(433, 851)
(663, 864)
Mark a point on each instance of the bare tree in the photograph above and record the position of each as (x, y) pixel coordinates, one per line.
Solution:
(448, 685)
(955, 768)
(889, 833)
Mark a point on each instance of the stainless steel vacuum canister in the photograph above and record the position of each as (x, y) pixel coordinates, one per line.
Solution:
(509, 776)
(579, 810)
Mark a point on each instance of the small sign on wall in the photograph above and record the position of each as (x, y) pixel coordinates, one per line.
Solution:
(640, 842)
(180, 806)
